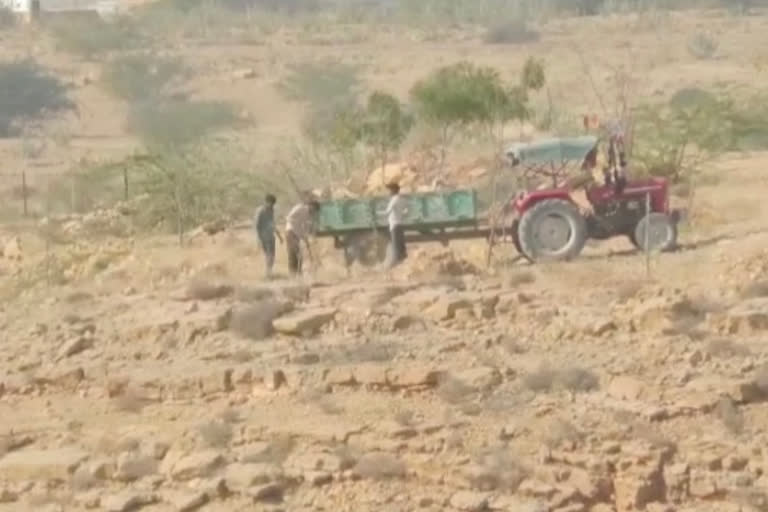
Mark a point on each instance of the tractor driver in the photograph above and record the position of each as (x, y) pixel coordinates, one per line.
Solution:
(589, 175)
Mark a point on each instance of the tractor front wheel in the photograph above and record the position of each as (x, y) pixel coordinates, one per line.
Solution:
(552, 230)
(662, 233)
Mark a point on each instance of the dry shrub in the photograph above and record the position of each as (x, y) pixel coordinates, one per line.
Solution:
(756, 290)
(321, 400)
(253, 294)
(130, 400)
(454, 391)
(379, 466)
(230, 415)
(498, 470)
(255, 322)
(405, 418)
(512, 32)
(730, 415)
(82, 480)
(371, 352)
(727, 348)
(215, 434)
(559, 431)
(645, 432)
(628, 290)
(761, 378)
(520, 278)
(277, 452)
(572, 378)
(347, 456)
(201, 289)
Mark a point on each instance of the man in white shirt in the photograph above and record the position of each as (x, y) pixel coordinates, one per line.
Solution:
(395, 212)
(298, 226)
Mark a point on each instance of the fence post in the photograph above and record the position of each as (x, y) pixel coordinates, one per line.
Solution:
(72, 195)
(647, 235)
(125, 183)
(24, 191)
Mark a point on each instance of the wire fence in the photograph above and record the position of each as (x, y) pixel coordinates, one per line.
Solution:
(29, 194)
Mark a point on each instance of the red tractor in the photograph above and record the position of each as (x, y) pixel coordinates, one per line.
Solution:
(549, 223)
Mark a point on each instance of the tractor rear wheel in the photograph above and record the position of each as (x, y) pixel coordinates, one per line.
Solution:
(515, 230)
(369, 249)
(662, 233)
(552, 230)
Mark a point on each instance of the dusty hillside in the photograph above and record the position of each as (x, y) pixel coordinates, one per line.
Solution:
(140, 375)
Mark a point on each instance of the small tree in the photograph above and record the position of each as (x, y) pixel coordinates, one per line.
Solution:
(28, 93)
(675, 139)
(447, 101)
(461, 95)
(384, 126)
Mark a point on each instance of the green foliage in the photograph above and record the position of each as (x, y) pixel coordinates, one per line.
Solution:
(187, 189)
(90, 36)
(173, 123)
(463, 94)
(512, 32)
(319, 83)
(28, 93)
(676, 139)
(334, 126)
(534, 75)
(7, 18)
(140, 77)
(703, 46)
(384, 123)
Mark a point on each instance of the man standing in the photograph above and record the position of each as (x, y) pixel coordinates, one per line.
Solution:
(265, 229)
(396, 210)
(299, 224)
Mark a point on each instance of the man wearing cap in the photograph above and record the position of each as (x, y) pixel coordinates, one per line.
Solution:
(265, 229)
(395, 212)
(298, 226)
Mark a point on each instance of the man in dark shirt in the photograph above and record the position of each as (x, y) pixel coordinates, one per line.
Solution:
(265, 229)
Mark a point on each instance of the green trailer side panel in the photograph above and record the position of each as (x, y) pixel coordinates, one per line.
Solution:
(427, 209)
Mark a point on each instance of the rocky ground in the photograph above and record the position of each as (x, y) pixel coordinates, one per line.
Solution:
(138, 375)
(148, 376)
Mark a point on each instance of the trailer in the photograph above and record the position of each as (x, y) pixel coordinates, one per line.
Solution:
(359, 227)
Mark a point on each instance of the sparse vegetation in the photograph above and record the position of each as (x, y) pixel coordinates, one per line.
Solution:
(141, 77)
(379, 466)
(202, 289)
(7, 18)
(321, 83)
(574, 379)
(725, 348)
(89, 36)
(28, 93)
(174, 123)
(512, 32)
(728, 412)
(216, 433)
(703, 46)
(255, 321)
(498, 470)
(755, 290)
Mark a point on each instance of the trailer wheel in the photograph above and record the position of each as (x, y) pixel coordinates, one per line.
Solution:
(552, 229)
(369, 249)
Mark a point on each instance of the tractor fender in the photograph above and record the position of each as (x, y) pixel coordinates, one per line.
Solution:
(525, 202)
